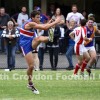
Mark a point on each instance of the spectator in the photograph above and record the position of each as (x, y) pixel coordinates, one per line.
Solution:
(58, 13)
(61, 24)
(41, 49)
(51, 11)
(22, 17)
(10, 34)
(74, 15)
(70, 43)
(84, 13)
(14, 18)
(43, 17)
(54, 47)
(4, 18)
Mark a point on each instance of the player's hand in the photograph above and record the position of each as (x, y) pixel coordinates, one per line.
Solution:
(90, 39)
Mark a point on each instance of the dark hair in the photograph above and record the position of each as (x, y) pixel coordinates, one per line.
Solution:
(91, 18)
(23, 7)
(60, 11)
(83, 22)
(74, 5)
(34, 13)
(2, 8)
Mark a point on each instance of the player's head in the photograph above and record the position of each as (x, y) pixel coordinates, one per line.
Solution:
(91, 21)
(35, 16)
(83, 22)
(74, 8)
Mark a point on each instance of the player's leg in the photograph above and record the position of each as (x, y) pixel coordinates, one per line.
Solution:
(77, 67)
(92, 60)
(36, 61)
(93, 57)
(79, 55)
(85, 61)
(30, 61)
(36, 41)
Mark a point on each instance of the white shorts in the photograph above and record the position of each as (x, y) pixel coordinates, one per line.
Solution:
(92, 48)
(79, 49)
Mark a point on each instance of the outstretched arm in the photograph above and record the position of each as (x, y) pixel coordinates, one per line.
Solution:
(41, 26)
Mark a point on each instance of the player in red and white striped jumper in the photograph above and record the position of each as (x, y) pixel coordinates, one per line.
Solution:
(79, 36)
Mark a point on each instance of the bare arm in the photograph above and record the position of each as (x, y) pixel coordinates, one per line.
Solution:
(14, 21)
(98, 31)
(51, 20)
(41, 26)
(72, 35)
(61, 22)
(87, 39)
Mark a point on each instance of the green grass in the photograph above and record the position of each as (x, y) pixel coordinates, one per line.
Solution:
(50, 89)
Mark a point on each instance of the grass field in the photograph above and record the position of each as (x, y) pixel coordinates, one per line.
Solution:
(53, 85)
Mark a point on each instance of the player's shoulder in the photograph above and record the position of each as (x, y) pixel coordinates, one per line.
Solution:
(30, 21)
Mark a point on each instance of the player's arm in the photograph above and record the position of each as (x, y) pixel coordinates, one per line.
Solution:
(41, 26)
(87, 39)
(98, 31)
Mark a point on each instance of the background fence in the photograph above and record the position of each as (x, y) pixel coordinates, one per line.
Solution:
(62, 62)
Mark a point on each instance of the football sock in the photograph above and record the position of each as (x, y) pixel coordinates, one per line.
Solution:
(84, 64)
(76, 68)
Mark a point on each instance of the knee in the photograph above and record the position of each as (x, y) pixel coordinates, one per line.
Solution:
(87, 59)
(37, 39)
(93, 58)
(31, 67)
(79, 63)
